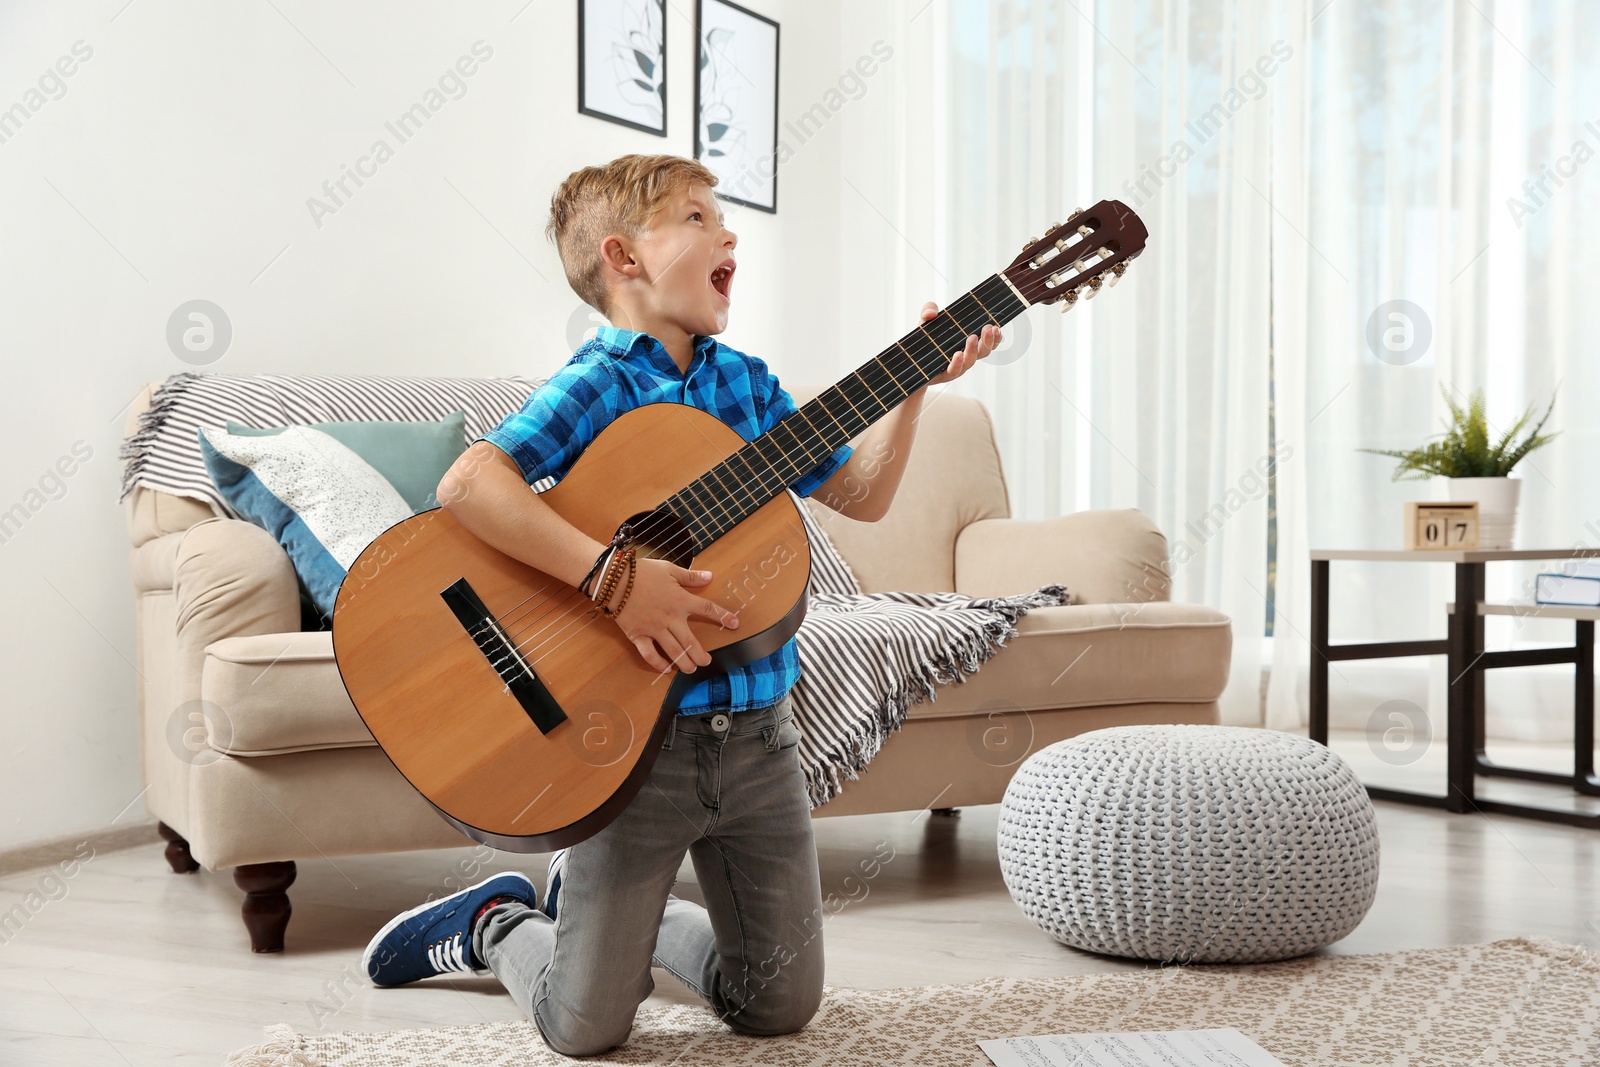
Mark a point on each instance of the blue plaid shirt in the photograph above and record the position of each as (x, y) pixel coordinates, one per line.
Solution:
(620, 370)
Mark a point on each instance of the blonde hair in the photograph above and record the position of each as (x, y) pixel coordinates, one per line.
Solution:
(617, 197)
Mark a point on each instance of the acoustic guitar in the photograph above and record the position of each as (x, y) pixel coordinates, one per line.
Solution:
(504, 695)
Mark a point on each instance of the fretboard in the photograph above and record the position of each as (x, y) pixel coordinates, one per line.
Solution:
(731, 491)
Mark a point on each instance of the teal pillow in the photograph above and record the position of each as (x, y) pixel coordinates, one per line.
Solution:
(412, 455)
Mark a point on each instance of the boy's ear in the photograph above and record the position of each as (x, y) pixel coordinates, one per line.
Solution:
(617, 255)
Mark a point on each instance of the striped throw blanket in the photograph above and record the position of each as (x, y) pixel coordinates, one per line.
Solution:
(163, 452)
(865, 657)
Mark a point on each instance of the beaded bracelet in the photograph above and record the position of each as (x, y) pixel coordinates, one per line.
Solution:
(628, 555)
(609, 583)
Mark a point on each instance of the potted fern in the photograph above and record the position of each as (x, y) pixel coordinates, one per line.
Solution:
(1477, 468)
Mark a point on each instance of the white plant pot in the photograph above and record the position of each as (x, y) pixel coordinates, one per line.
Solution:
(1497, 507)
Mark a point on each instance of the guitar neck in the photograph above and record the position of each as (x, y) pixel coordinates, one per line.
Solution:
(731, 491)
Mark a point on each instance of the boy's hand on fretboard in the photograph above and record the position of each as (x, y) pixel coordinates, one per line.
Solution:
(978, 346)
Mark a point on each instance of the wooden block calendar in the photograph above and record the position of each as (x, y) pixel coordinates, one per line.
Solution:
(1449, 525)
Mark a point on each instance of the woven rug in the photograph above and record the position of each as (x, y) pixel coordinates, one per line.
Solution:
(1527, 1003)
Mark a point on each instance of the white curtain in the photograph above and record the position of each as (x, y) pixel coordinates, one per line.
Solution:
(1418, 127)
(1155, 395)
(1299, 167)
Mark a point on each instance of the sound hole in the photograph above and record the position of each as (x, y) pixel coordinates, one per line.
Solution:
(660, 534)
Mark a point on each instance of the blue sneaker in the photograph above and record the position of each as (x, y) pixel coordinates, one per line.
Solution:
(558, 863)
(436, 937)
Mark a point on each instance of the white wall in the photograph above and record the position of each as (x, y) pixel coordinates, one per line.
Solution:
(177, 164)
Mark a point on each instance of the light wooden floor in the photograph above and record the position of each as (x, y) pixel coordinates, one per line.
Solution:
(135, 965)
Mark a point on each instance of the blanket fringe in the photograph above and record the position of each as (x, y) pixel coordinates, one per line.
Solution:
(135, 451)
(283, 1048)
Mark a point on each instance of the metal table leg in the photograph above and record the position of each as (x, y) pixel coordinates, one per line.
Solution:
(1460, 719)
(1583, 776)
(1319, 651)
(1323, 652)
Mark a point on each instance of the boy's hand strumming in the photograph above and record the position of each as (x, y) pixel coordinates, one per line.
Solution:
(658, 612)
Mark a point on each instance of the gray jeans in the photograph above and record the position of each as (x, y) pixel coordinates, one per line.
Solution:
(734, 798)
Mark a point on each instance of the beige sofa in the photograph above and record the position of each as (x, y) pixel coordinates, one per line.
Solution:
(254, 756)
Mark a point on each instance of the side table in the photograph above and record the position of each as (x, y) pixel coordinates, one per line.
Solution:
(1465, 758)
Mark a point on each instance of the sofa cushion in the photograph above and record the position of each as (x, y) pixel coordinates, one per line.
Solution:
(321, 501)
(282, 693)
(412, 456)
(1105, 556)
(1092, 655)
(951, 479)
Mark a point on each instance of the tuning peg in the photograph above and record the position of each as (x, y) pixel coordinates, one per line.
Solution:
(1075, 213)
(1111, 280)
(1084, 229)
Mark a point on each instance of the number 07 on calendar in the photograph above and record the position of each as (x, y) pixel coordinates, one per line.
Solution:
(1442, 526)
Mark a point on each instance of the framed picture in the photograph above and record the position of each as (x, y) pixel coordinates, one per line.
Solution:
(736, 102)
(622, 62)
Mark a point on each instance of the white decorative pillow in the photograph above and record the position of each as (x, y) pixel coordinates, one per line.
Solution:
(323, 503)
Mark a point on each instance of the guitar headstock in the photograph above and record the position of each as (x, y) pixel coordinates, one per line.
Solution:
(1075, 258)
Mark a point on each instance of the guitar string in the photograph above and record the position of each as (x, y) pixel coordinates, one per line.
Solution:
(519, 646)
(761, 474)
(520, 642)
(921, 349)
(997, 282)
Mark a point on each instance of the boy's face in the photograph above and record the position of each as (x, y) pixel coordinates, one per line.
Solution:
(687, 266)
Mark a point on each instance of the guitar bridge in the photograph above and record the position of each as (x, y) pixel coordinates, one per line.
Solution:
(503, 655)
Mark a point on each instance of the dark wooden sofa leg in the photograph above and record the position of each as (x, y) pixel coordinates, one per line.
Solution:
(266, 902)
(178, 857)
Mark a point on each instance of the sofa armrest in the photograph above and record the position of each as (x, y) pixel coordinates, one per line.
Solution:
(1102, 557)
(151, 563)
(219, 578)
(229, 579)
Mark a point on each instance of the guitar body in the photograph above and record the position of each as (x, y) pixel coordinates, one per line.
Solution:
(436, 697)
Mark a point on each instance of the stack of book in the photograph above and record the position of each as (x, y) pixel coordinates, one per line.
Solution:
(1577, 585)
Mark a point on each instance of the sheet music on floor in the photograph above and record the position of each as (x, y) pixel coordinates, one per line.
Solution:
(1174, 1048)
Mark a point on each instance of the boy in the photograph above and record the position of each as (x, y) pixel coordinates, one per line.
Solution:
(642, 239)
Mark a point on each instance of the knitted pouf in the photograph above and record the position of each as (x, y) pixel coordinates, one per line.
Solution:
(1201, 844)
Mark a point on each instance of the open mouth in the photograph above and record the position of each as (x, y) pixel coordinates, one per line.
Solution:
(722, 280)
